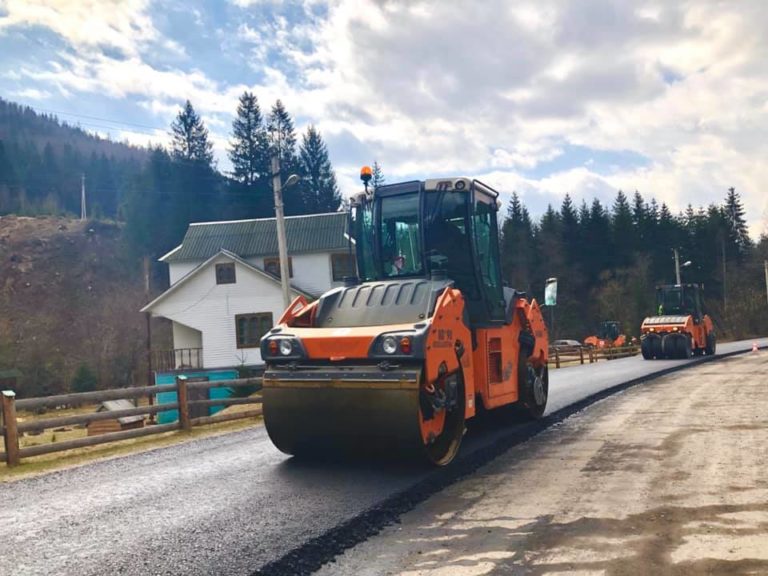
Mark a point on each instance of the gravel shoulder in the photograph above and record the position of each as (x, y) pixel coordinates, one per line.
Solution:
(665, 478)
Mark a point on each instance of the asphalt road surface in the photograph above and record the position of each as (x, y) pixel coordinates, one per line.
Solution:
(234, 505)
(667, 478)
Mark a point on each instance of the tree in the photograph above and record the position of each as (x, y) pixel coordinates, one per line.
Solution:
(282, 142)
(378, 176)
(517, 245)
(249, 147)
(190, 137)
(318, 182)
(624, 236)
(84, 379)
(738, 233)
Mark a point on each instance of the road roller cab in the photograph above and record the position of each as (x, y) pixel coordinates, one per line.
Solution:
(680, 327)
(404, 352)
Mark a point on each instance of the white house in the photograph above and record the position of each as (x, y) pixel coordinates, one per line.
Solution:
(225, 291)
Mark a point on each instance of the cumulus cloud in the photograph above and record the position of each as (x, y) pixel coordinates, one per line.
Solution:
(124, 25)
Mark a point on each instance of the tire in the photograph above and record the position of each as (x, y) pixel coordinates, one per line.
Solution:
(685, 346)
(534, 386)
(668, 346)
(646, 348)
(711, 348)
(657, 350)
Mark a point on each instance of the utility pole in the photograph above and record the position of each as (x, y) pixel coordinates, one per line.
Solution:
(82, 197)
(282, 244)
(765, 265)
(725, 299)
(677, 267)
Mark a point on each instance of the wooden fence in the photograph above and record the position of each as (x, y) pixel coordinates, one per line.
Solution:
(12, 428)
(581, 354)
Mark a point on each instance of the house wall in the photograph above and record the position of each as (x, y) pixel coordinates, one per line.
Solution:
(311, 272)
(201, 304)
(186, 337)
(177, 270)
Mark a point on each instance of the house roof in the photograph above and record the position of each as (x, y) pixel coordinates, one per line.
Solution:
(113, 405)
(195, 271)
(247, 238)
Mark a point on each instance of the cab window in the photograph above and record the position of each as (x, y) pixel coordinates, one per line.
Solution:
(400, 236)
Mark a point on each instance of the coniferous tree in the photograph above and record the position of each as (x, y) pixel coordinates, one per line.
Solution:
(598, 234)
(623, 235)
(282, 142)
(738, 233)
(249, 147)
(570, 225)
(197, 183)
(318, 184)
(377, 176)
(190, 137)
(641, 221)
(517, 245)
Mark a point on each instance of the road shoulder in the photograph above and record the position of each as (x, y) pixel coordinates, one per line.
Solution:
(664, 478)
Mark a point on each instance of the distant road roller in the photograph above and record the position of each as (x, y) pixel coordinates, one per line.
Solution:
(680, 328)
(426, 335)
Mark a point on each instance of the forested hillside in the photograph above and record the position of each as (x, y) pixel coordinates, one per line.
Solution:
(608, 261)
(43, 160)
(69, 304)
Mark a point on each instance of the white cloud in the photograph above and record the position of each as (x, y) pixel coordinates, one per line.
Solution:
(89, 25)
(31, 94)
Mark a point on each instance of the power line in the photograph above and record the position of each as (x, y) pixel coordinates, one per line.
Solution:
(58, 112)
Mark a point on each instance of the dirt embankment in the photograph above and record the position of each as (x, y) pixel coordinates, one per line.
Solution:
(668, 478)
(68, 296)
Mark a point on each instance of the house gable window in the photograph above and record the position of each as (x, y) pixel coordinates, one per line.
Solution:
(342, 265)
(225, 273)
(272, 265)
(251, 327)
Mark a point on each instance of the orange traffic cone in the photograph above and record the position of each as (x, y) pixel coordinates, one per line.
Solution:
(754, 346)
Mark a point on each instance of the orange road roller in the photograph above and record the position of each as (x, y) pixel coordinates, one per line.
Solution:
(421, 339)
(680, 328)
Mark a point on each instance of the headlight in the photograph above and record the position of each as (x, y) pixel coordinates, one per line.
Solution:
(389, 344)
(286, 347)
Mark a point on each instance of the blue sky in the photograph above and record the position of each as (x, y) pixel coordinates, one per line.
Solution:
(545, 97)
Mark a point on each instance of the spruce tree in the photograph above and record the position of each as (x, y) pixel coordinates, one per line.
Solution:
(318, 184)
(282, 142)
(623, 234)
(378, 176)
(249, 147)
(517, 245)
(738, 233)
(570, 228)
(190, 137)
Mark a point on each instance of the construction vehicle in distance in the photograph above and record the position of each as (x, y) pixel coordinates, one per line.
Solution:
(680, 328)
(422, 339)
(608, 336)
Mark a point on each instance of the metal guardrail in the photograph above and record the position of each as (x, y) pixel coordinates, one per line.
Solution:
(11, 428)
(585, 354)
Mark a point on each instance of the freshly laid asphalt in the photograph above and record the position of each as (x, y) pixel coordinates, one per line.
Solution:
(234, 504)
